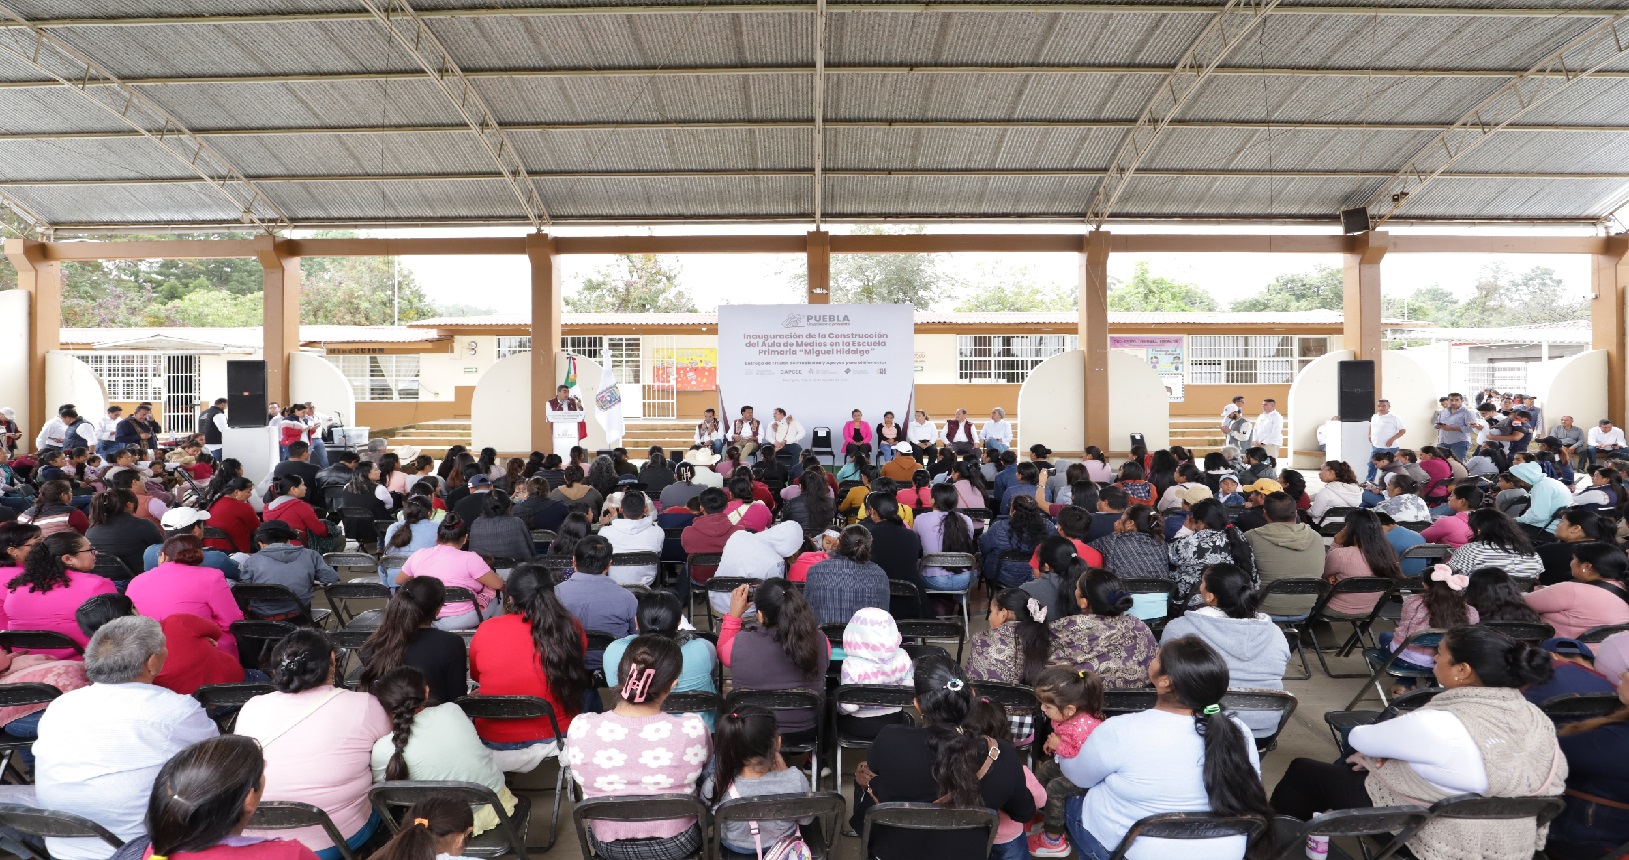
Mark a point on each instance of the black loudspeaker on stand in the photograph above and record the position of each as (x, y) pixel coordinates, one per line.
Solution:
(1356, 390)
(246, 394)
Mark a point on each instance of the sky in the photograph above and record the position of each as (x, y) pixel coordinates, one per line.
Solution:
(500, 283)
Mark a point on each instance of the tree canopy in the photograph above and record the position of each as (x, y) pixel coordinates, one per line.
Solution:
(1015, 289)
(883, 279)
(632, 283)
(1146, 292)
(1320, 289)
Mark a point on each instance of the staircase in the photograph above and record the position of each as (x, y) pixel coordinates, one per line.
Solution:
(671, 435)
(1202, 435)
(430, 437)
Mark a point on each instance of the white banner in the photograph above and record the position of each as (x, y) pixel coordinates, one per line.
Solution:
(818, 362)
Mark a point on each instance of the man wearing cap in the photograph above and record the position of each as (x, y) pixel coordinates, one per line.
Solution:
(1232, 410)
(1285, 548)
(1604, 439)
(903, 466)
(1255, 495)
(189, 521)
(473, 505)
(1581, 667)
(1187, 497)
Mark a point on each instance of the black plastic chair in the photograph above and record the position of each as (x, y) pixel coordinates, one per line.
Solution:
(48, 823)
(1542, 810)
(256, 639)
(1380, 587)
(1574, 706)
(215, 533)
(348, 644)
(112, 567)
(940, 629)
(820, 444)
(543, 537)
(16, 695)
(1292, 625)
(635, 808)
(834, 633)
(1396, 824)
(927, 816)
(351, 560)
(1119, 702)
(1597, 635)
(899, 589)
(392, 563)
(458, 594)
(226, 699)
(247, 592)
(1190, 825)
(1334, 520)
(509, 835)
(1392, 664)
(38, 640)
(293, 815)
(1341, 723)
(1522, 631)
(1272, 701)
(341, 593)
(1016, 700)
(788, 700)
(368, 620)
(867, 695)
(637, 559)
(956, 562)
(722, 585)
(692, 702)
(1433, 553)
(1149, 585)
(825, 807)
(526, 708)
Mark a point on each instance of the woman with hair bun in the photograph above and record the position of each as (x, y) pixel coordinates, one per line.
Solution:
(943, 762)
(1103, 638)
(202, 801)
(435, 827)
(1185, 754)
(1248, 641)
(181, 583)
(636, 749)
(1478, 736)
(1595, 597)
(318, 740)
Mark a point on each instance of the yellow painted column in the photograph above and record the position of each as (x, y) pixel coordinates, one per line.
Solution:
(819, 263)
(546, 310)
(281, 327)
(1094, 335)
(1361, 328)
(42, 279)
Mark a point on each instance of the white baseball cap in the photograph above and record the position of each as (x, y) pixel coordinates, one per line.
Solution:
(180, 519)
(903, 447)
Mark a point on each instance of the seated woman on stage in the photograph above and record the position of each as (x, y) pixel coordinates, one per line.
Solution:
(857, 436)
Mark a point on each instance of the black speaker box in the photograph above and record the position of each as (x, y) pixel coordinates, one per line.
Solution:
(246, 394)
(1354, 220)
(1356, 390)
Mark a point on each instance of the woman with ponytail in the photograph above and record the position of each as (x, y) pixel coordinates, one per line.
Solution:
(1231, 622)
(435, 827)
(636, 749)
(944, 530)
(946, 763)
(1211, 539)
(1103, 637)
(536, 648)
(415, 531)
(1058, 566)
(202, 801)
(431, 741)
(1478, 736)
(1185, 753)
(406, 636)
(784, 650)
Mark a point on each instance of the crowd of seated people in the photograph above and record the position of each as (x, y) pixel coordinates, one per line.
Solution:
(826, 567)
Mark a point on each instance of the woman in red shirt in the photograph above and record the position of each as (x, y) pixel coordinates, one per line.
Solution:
(232, 513)
(291, 507)
(535, 649)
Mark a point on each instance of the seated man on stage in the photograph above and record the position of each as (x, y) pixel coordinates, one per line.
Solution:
(857, 435)
(784, 434)
(996, 434)
(744, 433)
(709, 432)
(922, 434)
(959, 434)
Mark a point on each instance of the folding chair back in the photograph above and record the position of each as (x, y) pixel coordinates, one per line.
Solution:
(368, 620)
(1147, 585)
(555, 563)
(825, 807)
(1118, 702)
(391, 797)
(820, 443)
(788, 700)
(48, 823)
(1299, 591)
(635, 559)
(723, 585)
(458, 594)
(351, 560)
(1474, 806)
(543, 537)
(221, 697)
(643, 807)
(245, 593)
(293, 815)
(38, 640)
(340, 593)
(1334, 520)
(1577, 706)
(1379, 587)
(1190, 825)
(1270, 701)
(112, 567)
(940, 630)
(348, 644)
(691, 702)
(256, 639)
(1431, 552)
(392, 562)
(1522, 631)
(1341, 723)
(14, 695)
(510, 708)
(834, 633)
(215, 533)
(1017, 701)
(1398, 824)
(928, 816)
(899, 589)
(1596, 635)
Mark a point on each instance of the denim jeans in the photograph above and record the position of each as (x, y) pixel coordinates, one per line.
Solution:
(953, 582)
(1017, 849)
(998, 447)
(1086, 845)
(1460, 449)
(319, 452)
(355, 841)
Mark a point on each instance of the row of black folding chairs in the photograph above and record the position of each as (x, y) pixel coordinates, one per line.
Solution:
(1566, 708)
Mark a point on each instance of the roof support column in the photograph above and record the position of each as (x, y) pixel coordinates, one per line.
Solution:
(1610, 273)
(42, 279)
(1093, 302)
(1361, 329)
(281, 327)
(544, 257)
(819, 267)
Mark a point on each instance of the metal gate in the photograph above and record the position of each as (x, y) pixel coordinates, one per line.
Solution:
(661, 389)
(180, 393)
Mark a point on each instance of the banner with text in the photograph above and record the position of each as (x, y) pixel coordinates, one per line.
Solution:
(818, 362)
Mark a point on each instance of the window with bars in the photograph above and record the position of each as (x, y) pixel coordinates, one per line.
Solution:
(625, 353)
(128, 377)
(508, 346)
(1250, 359)
(1006, 358)
(380, 377)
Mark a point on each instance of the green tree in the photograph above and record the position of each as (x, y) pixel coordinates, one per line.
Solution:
(632, 283)
(8, 274)
(462, 310)
(1503, 298)
(360, 291)
(1319, 289)
(1146, 292)
(993, 290)
(884, 279)
(215, 309)
(1433, 304)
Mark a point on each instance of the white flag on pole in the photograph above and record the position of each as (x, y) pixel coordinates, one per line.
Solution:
(608, 402)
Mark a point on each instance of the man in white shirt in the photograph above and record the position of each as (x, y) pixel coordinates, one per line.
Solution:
(959, 433)
(1269, 430)
(784, 434)
(1384, 431)
(1329, 431)
(100, 746)
(1231, 411)
(996, 434)
(55, 431)
(104, 433)
(633, 531)
(710, 432)
(1603, 440)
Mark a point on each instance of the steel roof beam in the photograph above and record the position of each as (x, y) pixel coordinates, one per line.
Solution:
(414, 37)
(801, 71)
(818, 143)
(69, 68)
(20, 218)
(348, 131)
(804, 8)
(1599, 46)
(1208, 50)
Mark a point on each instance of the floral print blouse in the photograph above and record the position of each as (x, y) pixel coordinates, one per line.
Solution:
(1118, 648)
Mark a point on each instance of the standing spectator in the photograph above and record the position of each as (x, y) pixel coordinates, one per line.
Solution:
(848, 581)
(1385, 429)
(1453, 425)
(1269, 430)
(536, 649)
(89, 764)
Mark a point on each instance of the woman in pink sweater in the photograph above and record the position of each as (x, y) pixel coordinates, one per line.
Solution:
(55, 580)
(1595, 597)
(181, 583)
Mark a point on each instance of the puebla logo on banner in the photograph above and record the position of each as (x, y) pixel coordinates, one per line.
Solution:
(818, 362)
